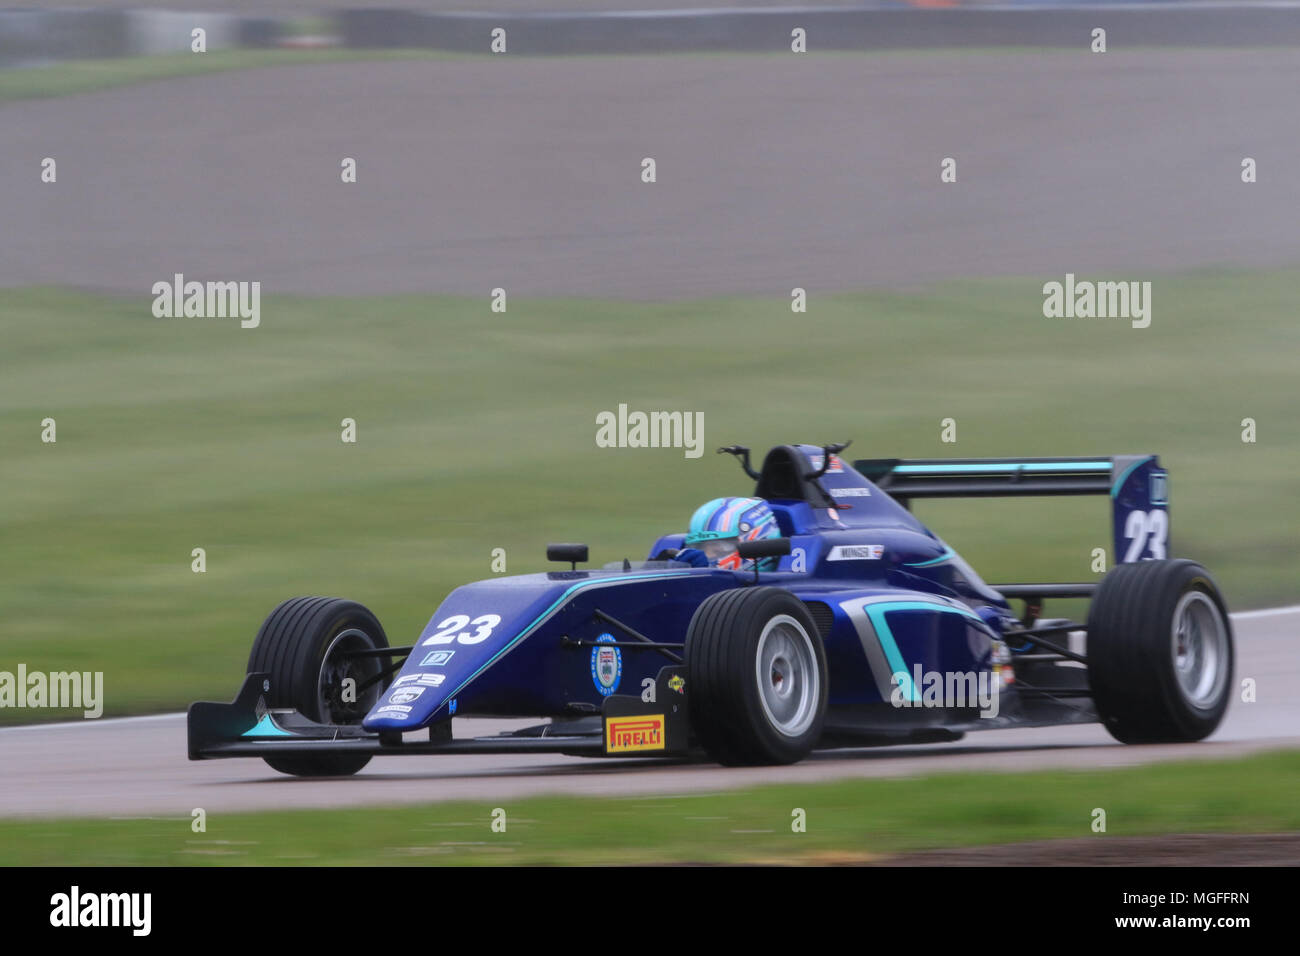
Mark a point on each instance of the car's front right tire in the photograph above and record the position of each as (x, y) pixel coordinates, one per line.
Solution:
(303, 645)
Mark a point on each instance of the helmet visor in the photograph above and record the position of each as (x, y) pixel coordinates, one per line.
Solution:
(715, 549)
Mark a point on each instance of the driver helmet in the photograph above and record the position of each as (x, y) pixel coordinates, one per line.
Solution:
(718, 527)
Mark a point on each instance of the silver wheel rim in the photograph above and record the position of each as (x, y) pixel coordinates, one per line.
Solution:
(1200, 650)
(785, 667)
(334, 669)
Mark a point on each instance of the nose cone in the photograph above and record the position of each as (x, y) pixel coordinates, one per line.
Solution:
(475, 626)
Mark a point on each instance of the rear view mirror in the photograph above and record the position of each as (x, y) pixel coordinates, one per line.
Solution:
(573, 553)
(764, 548)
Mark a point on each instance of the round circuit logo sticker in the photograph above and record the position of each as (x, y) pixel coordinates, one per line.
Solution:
(405, 695)
(606, 666)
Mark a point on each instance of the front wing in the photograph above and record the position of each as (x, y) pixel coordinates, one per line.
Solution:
(626, 726)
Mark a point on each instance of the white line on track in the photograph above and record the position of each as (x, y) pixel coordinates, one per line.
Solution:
(1265, 612)
(90, 722)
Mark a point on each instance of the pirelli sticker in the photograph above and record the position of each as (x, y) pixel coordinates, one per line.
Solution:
(631, 734)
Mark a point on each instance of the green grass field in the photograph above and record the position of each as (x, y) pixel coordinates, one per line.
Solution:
(68, 77)
(849, 821)
(477, 431)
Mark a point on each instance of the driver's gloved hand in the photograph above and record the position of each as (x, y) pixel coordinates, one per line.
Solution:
(692, 556)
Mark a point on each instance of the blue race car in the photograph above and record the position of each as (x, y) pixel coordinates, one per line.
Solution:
(816, 613)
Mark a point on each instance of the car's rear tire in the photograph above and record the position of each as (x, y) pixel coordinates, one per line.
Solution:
(756, 674)
(298, 646)
(1160, 652)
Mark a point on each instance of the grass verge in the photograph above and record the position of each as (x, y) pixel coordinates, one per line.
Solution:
(851, 821)
(67, 77)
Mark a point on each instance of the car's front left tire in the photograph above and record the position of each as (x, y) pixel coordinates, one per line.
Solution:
(756, 671)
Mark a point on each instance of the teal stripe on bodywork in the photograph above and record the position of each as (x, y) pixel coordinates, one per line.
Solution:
(947, 554)
(1119, 482)
(266, 728)
(876, 613)
(537, 621)
(962, 467)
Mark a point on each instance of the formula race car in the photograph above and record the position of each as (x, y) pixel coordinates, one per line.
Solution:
(856, 626)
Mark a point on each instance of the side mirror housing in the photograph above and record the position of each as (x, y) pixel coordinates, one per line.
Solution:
(764, 548)
(573, 553)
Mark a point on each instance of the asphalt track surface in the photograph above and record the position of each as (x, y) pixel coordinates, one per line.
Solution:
(774, 171)
(138, 766)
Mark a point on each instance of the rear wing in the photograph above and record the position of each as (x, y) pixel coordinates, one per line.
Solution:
(1136, 484)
